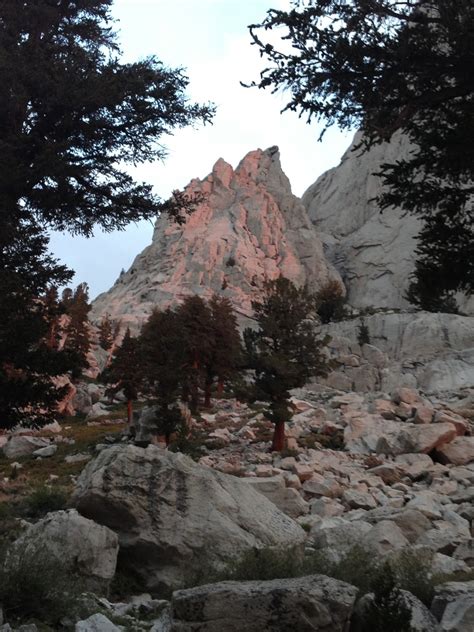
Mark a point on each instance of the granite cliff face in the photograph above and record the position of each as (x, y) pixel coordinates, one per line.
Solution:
(374, 251)
(249, 229)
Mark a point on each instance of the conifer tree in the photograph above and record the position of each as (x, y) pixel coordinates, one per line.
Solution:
(28, 360)
(330, 300)
(284, 351)
(71, 116)
(78, 341)
(125, 371)
(106, 333)
(198, 335)
(226, 350)
(163, 355)
(52, 310)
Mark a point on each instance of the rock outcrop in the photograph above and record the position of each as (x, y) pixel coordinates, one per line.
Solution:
(249, 229)
(78, 545)
(308, 603)
(434, 352)
(174, 517)
(373, 250)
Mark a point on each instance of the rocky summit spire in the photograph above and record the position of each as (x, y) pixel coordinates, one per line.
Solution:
(249, 229)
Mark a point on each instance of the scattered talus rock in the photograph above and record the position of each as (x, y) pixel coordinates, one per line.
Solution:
(306, 604)
(373, 250)
(249, 229)
(174, 517)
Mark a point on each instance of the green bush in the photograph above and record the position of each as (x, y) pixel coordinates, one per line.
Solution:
(43, 500)
(387, 611)
(35, 586)
(264, 564)
(412, 572)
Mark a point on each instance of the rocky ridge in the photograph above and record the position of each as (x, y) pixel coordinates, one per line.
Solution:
(249, 229)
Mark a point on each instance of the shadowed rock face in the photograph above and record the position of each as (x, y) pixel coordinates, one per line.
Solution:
(250, 229)
(373, 251)
(175, 518)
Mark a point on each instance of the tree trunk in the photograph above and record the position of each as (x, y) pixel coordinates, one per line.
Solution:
(167, 438)
(207, 394)
(278, 442)
(130, 412)
(220, 387)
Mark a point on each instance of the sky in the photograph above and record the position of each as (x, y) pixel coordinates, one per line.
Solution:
(210, 39)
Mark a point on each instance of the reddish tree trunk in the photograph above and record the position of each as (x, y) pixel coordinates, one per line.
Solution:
(129, 412)
(220, 387)
(278, 442)
(167, 438)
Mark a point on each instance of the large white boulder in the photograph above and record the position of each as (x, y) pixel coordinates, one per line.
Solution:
(78, 544)
(173, 516)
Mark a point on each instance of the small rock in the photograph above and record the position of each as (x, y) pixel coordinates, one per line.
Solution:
(358, 500)
(46, 452)
(460, 451)
(77, 458)
(423, 415)
(96, 623)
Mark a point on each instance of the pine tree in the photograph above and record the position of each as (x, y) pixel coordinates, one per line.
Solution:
(196, 322)
(106, 333)
(164, 355)
(284, 351)
(78, 341)
(125, 371)
(53, 310)
(226, 351)
(72, 116)
(28, 360)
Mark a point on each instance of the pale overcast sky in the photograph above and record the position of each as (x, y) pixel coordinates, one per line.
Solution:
(210, 39)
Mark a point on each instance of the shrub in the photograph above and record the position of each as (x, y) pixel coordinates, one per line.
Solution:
(264, 564)
(189, 442)
(387, 611)
(124, 584)
(330, 302)
(36, 586)
(230, 263)
(412, 572)
(363, 336)
(43, 500)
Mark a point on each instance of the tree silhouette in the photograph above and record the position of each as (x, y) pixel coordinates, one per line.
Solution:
(284, 351)
(125, 371)
(164, 356)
